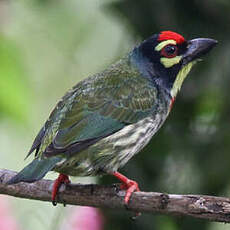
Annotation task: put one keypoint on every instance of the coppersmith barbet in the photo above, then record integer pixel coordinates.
(109, 117)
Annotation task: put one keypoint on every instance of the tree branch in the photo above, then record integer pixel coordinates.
(198, 206)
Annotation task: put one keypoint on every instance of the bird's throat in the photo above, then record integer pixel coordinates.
(182, 74)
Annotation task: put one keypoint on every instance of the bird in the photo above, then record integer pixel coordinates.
(107, 118)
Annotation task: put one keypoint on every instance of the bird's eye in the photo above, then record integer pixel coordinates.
(169, 51)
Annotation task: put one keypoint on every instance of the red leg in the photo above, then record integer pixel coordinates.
(130, 185)
(62, 179)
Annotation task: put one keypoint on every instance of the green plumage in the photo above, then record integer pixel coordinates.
(79, 128)
(107, 118)
(35, 170)
(100, 105)
(83, 126)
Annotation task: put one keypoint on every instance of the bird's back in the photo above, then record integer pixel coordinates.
(90, 123)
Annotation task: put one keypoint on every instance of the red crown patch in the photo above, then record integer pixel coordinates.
(169, 35)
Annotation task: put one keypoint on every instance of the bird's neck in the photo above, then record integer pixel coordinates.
(142, 64)
(146, 69)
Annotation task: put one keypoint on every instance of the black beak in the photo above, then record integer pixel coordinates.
(197, 48)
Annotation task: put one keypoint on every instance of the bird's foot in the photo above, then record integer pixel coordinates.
(129, 185)
(62, 179)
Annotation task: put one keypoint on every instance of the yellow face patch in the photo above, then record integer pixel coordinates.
(180, 78)
(169, 62)
(161, 45)
(166, 61)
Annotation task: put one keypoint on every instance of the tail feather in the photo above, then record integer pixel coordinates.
(36, 170)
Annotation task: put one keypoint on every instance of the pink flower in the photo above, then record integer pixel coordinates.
(7, 221)
(83, 218)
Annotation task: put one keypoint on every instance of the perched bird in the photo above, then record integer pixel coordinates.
(109, 117)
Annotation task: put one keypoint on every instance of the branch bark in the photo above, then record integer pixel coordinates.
(197, 206)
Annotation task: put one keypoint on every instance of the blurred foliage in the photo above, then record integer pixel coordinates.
(14, 93)
(190, 154)
(46, 46)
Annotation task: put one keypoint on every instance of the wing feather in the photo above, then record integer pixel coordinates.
(95, 108)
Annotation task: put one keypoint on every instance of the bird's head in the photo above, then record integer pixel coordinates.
(168, 57)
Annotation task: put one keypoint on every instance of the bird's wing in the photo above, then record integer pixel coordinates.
(93, 110)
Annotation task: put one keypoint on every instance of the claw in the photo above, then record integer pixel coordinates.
(62, 179)
(130, 186)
